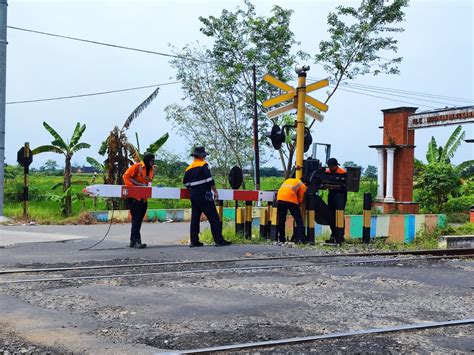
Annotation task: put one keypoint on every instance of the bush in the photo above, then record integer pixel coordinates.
(459, 204)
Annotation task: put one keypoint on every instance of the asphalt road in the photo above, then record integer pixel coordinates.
(169, 312)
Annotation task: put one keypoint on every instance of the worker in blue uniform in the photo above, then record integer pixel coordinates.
(200, 183)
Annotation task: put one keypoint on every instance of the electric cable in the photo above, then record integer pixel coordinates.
(407, 92)
(387, 98)
(106, 233)
(90, 94)
(110, 45)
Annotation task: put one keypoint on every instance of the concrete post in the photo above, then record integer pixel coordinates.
(389, 192)
(380, 173)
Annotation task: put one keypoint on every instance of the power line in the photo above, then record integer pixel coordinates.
(386, 98)
(90, 94)
(412, 93)
(110, 45)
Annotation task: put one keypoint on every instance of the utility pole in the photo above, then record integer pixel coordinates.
(300, 115)
(255, 131)
(3, 77)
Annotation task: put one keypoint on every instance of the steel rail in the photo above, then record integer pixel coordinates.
(299, 340)
(217, 270)
(444, 252)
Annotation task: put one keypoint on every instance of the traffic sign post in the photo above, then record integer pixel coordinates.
(25, 158)
(300, 99)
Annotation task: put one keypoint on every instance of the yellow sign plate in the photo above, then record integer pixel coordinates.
(317, 85)
(278, 111)
(278, 99)
(316, 103)
(278, 83)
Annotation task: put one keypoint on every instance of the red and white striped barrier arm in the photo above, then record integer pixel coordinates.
(173, 193)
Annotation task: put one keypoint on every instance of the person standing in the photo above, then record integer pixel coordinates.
(139, 174)
(334, 193)
(198, 179)
(289, 198)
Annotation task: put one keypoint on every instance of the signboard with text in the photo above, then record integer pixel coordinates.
(441, 117)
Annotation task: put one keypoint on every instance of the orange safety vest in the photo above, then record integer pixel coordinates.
(338, 171)
(292, 190)
(137, 172)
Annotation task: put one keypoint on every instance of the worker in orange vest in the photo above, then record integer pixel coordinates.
(334, 193)
(139, 174)
(289, 197)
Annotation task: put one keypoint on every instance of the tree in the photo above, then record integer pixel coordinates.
(370, 172)
(438, 183)
(117, 147)
(58, 145)
(50, 166)
(350, 164)
(357, 37)
(219, 85)
(444, 154)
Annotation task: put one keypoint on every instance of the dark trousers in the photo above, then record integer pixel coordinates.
(137, 210)
(332, 204)
(282, 210)
(200, 205)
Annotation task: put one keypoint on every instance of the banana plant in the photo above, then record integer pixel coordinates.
(60, 146)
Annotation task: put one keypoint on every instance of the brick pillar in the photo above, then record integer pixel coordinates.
(396, 133)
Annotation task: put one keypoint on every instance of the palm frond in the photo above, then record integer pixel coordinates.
(47, 149)
(153, 148)
(138, 142)
(103, 147)
(133, 152)
(77, 134)
(56, 136)
(80, 146)
(453, 145)
(140, 108)
(431, 154)
(95, 164)
(465, 165)
(55, 186)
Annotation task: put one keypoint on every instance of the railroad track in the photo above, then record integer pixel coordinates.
(149, 269)
(427, 252)
(299, 340)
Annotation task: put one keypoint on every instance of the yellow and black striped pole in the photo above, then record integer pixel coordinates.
(366, 218)
(269, 220)
(263, 223)
(339, 219)
(220, 209)
(274, 224)
(26, 179)
(239, 220)
(310, 207)
(248, 219)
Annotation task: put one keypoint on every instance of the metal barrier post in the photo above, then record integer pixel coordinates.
(239, 221)
(248, 219)
(263, 223)
(269, 219)
(367, 218)
(274, 225)
(310, 207)
(220, 209)
(339, 219)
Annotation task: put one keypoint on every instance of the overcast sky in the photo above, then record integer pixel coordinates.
(437, 47)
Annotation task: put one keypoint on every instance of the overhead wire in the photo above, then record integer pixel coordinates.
(110, 45)
(368, 88)
(90, 94)
(408, 92)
